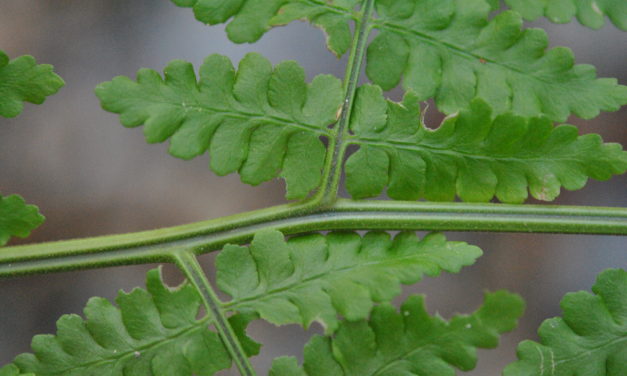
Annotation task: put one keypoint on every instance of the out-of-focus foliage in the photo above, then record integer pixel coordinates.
(23, 80)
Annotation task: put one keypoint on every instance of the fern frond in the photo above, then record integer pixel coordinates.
(23, 80)
(589, 13)
(313, 278)
(259, 121)
(409, 343)
(17, 218)
(451, 51)
(471, 154)
(248, 20)
(153, 332)
(590, 339)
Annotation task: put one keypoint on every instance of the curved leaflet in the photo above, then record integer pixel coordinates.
(409, 343)
(590, 339)
(451, 51)
(153, 332)
(248, 20)
(472, 154)
(332, 16)
(17, 218)
(259, 120)
(23, 80)
(590, 13)
(316, 277)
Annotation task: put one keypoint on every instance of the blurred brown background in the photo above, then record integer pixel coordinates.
(90, 176)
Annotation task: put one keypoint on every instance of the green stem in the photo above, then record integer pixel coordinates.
(158, 245)
(337, 148)
(188, 263)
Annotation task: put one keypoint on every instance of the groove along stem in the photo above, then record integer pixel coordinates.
(188, 263)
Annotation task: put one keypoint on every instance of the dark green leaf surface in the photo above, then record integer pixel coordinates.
(589, 340)
(472, 154)
(260, 121)
(409, 343)
(590, 13)
(17, 218)
(451, 51)
(315, 277)
(153, 332)
(23, 80)
(248, 20)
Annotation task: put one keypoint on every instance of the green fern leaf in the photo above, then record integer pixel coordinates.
(17, 218)
(332, 16)
(285, 366)
(250, 19)
(410, 343)
(22, 80)
(471, 154)
(313, 278)
(154, 332)
(590, 13)
(259, 121)
(591, 338)
(11, 370)
(451, 51)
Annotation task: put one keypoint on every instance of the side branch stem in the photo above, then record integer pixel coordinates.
(188, 263)
(337, 148)
(203, 237)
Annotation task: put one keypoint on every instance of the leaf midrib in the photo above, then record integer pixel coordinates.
(356, 140)
(422, 347)
(460, 51)
(594, 349)
(234, 303)
(151, 345)
(249, 115)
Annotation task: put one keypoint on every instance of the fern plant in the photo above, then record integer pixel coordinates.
(304, 262)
